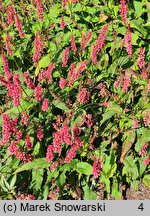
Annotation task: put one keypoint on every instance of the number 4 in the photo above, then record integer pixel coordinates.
(141, 207)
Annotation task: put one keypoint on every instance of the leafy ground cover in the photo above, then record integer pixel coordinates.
(74, 98)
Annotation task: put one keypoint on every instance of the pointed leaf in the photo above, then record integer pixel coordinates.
(61, 105)
(84, 168)
(129, 138)
(146, 180)
(36, 164)
(37, 178)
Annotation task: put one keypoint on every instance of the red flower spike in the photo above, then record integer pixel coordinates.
(19, 26)
(38, 92)
(49, 154)
(128, 43)
(124, 11)
(141, 62)
(45, 105)
(65, 57)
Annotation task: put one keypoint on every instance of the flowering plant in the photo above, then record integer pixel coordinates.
(75, 98)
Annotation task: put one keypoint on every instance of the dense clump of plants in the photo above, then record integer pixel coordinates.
(75, 98)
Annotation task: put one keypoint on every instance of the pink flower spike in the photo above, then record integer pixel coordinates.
(71, 153)
(126, 83)
(39, 9)
(76, 133)
(49, 72)
(85, 39)
(10, 15)
(128, 43)
(62, 83)
(28, 81)
(89, 120)
(57, 141)
(8, 44)
(143, 151)
(24, 118)
(42, 75)
(38, 92)
(53, 166)
(45, 106)
(28, 143)
(97, 166)
(65, 57)
(141, 62)
(147, 161)
(38, 47)
(64, 2)
(62, 23)
(49, 154)
(7, 71)
(135, 122)
(19, 26)
(100, 43)
(144, 74)
(83, 96)
(40, 134)
(72, 74)
(30, 197)
(73, 44)
(123, 11)
(7, 129)
(12, 148)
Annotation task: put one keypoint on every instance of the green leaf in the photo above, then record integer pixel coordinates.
(13, 111)
(84, 168)
(135, 185)
(61, 105)
(36, 164)
(36, 149)
(13, 181)
(146, 180)
(45, 192)
(107, 115)
(37, 178)
(106, 182)
(56, 74)
(122, 60)
(129, 138)
(130, 167)
(51, 175)
(54, 10)
(116, 192)
(62, 179)
(43, 63)
(148, 10)
(138, 8)
(114, 107)
(70, 166)
(137, 25)
(112, 171)
(143, 139)
(141, 167)
(89, 194)
(110, 166)
(111, 111)
(134, 39)
(77, 117)
(103, 145)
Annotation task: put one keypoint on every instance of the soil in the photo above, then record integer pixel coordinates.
(143, 193)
